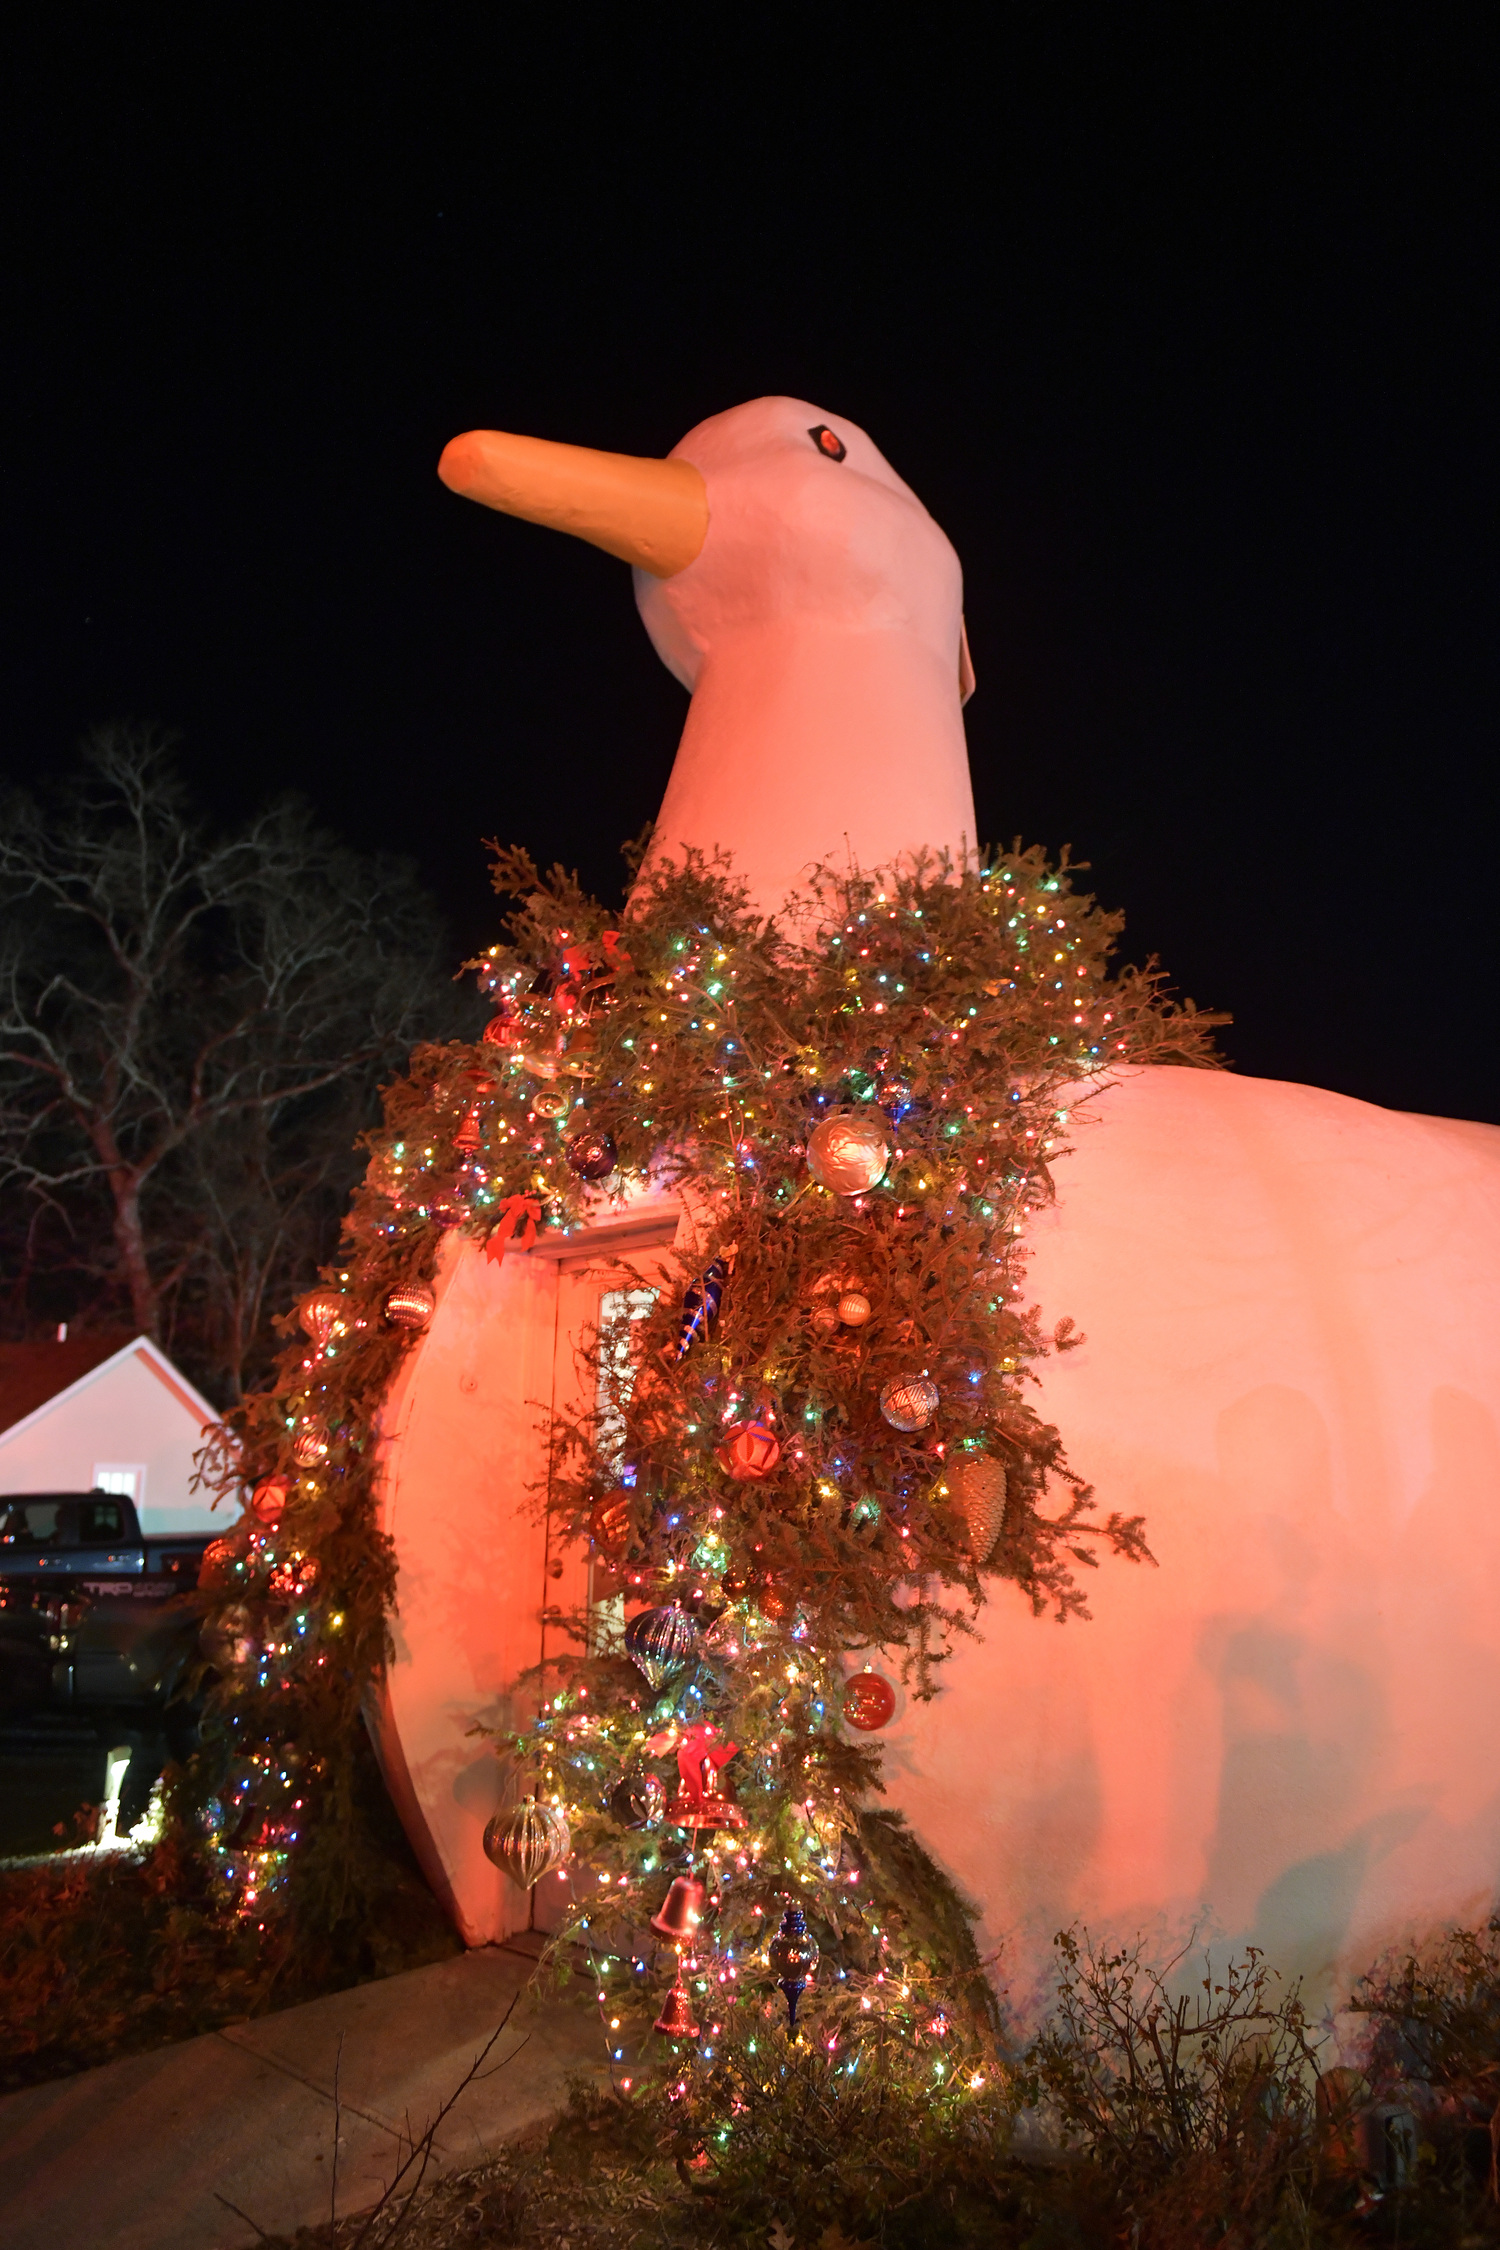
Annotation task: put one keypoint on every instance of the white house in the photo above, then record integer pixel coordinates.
(107, 1411)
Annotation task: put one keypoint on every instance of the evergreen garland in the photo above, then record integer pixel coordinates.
(956, 1014)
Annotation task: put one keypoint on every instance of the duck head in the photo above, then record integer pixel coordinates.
(812, 608)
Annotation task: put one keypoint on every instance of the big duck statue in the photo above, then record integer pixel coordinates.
(1291, 1302)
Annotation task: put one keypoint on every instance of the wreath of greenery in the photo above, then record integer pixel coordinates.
(963, 1014)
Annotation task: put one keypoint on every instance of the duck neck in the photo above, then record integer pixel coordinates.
(806, 743)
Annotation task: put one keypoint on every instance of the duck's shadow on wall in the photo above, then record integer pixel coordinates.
(1318, 1786)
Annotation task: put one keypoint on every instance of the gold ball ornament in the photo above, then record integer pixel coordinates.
(412, 1305)
(854, 1308)
(977, 1488)
(849, 1152)
(909, 1402)
(528, 1842)
(318, 1312)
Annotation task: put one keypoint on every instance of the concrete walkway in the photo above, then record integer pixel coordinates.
(137, 2154)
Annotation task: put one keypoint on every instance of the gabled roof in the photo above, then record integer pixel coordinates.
(34, 1377)
(30, 1374)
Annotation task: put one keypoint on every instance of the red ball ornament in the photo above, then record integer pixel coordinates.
(292, 1580)
(269, 1499)
(591, 1154)
(869, 1701)
(750, 1452)
(216, 1570)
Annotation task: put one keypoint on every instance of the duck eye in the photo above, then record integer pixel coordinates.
(828, 442)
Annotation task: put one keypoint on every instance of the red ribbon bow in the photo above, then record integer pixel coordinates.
(517, 1222)
(699, 1760)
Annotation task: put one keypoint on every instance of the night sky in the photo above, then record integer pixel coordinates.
(1181, 322)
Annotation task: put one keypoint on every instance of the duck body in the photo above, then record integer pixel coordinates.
(1289, 1303)
(1291, 1368)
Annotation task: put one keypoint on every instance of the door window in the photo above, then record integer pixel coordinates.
(619, 1309)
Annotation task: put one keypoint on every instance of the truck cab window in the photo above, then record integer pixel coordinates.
(100, 1520)
(30, 1523)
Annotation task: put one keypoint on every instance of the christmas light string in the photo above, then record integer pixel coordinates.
(785, 1487)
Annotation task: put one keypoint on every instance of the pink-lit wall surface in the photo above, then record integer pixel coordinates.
(1284, 1731)
(464, 1460)
(461, 1449)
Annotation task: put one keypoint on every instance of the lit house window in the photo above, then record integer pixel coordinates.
(127, 1478)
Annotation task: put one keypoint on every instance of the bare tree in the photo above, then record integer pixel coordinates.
(192, 1029)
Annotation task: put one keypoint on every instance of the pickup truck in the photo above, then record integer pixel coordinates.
(88, 1618)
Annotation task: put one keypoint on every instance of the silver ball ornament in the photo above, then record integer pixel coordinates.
(849, 1152)
(909, 1402)
(528, 1841)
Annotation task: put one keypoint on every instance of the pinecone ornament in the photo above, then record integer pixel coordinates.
(977, 1488)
